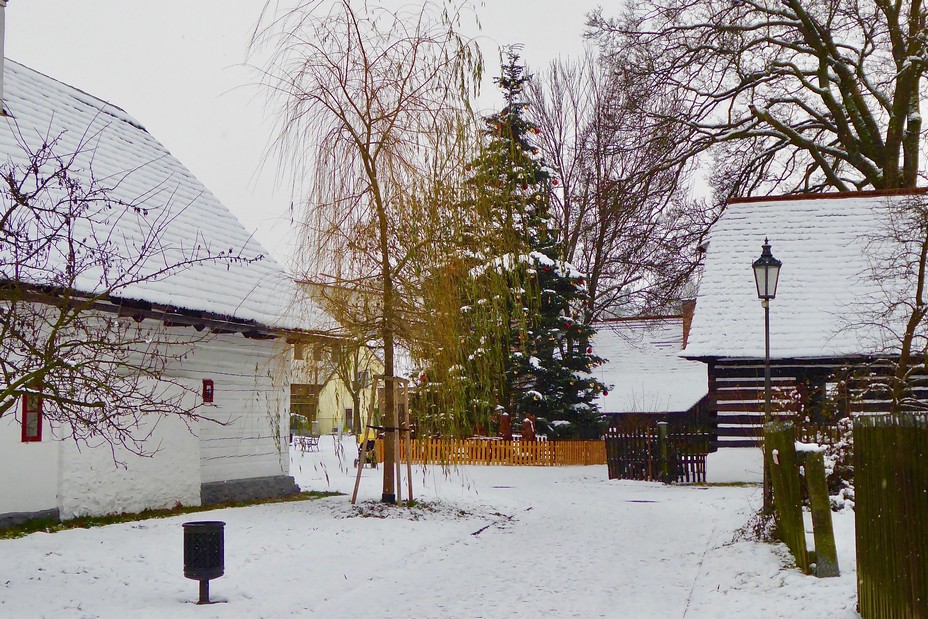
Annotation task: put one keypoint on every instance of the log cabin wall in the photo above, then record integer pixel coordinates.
(820, 391)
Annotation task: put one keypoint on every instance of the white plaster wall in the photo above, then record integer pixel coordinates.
(29, 479)
(252, 401)
(96, 480)
(251, 405)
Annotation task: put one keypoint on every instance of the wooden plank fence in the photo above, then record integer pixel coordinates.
(891, 515)
(491, 452)
(633, 450)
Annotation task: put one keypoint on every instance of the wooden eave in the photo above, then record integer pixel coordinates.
(856, 358)
(170, 315)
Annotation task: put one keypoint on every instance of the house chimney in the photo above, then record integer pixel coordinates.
(689, 308)
(2, 53)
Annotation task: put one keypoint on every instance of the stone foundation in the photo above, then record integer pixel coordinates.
(253, 489)
(14, 518)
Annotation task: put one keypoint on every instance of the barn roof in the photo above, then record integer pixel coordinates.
(835, 283)
(119, 152)
(643, 371)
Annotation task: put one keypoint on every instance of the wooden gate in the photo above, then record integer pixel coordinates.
(636, 449)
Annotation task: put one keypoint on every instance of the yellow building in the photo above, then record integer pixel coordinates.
(332, 386)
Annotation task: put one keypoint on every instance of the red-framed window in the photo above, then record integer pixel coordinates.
(32, 418)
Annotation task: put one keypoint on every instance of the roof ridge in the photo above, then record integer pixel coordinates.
(92, 100)
(654, 318)
(835, 195)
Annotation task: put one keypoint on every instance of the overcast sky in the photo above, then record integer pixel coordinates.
(176, 66)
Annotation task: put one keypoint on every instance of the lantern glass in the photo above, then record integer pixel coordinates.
(766, 273)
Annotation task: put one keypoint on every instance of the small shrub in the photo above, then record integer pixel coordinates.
(761, 527)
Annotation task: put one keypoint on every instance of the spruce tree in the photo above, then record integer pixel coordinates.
(544, 350)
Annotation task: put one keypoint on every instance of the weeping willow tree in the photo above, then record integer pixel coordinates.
(363, 93)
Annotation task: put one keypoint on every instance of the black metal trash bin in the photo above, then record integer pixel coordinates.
(204, 553)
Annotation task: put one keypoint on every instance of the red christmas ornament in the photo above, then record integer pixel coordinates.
(605, 392)
(589, 350)
(536, 130)
(547, 268)
(524, 186)
(554, 182)
(580, 281)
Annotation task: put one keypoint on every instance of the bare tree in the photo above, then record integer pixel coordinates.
(72, 256)
(349, 352)
(897, 252)
(789, 95)
(363, 91)
(621, 206)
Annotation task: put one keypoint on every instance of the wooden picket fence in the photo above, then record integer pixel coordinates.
(491, 452)
(891, 514)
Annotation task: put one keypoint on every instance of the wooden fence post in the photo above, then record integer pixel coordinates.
(826, 554)
(663, 451)
(780, 445)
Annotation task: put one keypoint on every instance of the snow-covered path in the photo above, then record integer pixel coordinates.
(582, 556)
(490, 542)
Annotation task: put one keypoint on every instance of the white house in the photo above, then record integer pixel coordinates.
(244, 313)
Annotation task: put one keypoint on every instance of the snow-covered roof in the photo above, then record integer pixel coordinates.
(116, 149)
(833, 282)
(644, 371)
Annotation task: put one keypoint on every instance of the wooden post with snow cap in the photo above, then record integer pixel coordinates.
(528, 429)
(826, 553)
(782, 462)
(505, 426)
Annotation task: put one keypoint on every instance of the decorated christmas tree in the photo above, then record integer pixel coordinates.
(543, 351)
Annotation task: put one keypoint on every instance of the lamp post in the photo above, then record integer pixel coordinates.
(766, 274)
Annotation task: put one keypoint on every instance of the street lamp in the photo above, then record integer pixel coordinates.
(766, 274)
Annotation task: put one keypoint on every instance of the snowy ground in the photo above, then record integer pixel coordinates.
(492, 542)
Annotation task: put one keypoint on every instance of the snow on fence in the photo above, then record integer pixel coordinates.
(891, 514)
(496, 452)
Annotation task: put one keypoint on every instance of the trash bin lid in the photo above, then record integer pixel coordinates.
(204, 524)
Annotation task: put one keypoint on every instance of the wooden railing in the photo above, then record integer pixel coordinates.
(493, 452)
